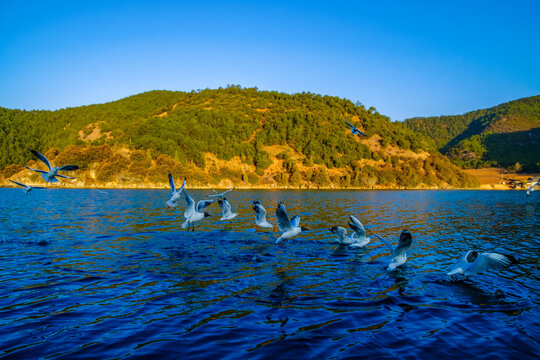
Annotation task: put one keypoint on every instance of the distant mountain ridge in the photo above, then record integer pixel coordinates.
(499, 136)
(226, 136)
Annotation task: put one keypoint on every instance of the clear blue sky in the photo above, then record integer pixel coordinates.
(406, 58)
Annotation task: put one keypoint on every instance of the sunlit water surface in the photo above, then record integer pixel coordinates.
(111, 274)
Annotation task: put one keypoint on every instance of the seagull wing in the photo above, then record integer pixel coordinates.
(221, 194)
(190, 209)
(65, 177)
(171, 183)
(203, 204)
(37, 170)
(295, 221)
(68, 168)
(350, 125)
(18, 183)
(488, 261)
(282, 219)
(386, 242)
(357, 226)
(42, 158)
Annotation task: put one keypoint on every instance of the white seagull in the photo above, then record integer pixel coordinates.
(27, 188)
(175, 193)
(220, 195)
(50, 176)
(360, 239)
(260, 216)
(473, 263)
(399, 255)
(226, 210)
(531, 187)
(288, 228)
(342, 237)
(354, 129)
(194, 213)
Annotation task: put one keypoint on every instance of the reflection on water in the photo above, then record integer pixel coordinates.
(113, 275)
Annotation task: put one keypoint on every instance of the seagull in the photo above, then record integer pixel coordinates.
(288, 228)
(194, 213)
(342, 236)
(399, 255)
(27, 188)
(220, 195)
(175, 194)
(50, 176)
(473, 263)
(531, 187)
(354, 129)
(260, 216)
(360, 239)
(226, 210)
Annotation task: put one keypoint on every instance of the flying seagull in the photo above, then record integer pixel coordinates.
(175, 193)
(226, 210)
(27, 188)
(50, 176)
(289, 228)
(531, 187)
(220, 195)
(398, 254)
(473, 263)
(354, 129)
(342, 236)
(260, 216)
(360, 239)
(194, 213)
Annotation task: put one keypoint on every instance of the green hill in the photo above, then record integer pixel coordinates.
(499, 136)
(225, 136)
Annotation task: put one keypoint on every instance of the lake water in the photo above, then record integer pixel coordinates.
(111, 275)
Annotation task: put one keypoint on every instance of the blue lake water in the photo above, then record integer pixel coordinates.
(111, 275)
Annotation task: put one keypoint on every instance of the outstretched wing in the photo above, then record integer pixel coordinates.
(65, 177)
(282, 219)
(42, 158)
(203, 204)
(18, 183)
(190, 209)
(357, 227)
(36, 170)
(386, 242)
(488, 261)
(350, 125)
(68, 168)
(295, 221)
(171, 183)
(259, 209)
(221, 194)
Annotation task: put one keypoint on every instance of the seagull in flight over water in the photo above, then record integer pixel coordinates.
(175, 193)
(358, 237)
(531, 187)
(354, 129)
(27, 188)
(399, 255)
(260, 216)
(194, 213)
(473, 263)
(289, 228)
(226, 209)
(50, 176)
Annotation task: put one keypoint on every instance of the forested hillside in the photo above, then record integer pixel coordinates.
(504, 135)
(225, 136)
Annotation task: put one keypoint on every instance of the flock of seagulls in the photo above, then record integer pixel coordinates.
(469, 264)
